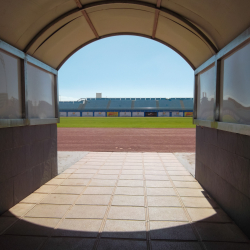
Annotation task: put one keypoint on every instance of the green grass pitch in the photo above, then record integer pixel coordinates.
(125, 122)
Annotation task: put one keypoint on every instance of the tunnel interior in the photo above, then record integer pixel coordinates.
(37, 37)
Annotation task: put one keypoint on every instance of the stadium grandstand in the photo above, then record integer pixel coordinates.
(127, 107)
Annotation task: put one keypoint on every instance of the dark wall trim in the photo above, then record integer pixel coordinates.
(5, 123)
(229, 127)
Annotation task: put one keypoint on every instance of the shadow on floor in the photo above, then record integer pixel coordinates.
(121, 203)
(29, 233)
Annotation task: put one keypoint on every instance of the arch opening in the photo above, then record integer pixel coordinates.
(126, 34)
(132, 62)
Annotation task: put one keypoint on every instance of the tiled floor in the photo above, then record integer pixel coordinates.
(121, 201)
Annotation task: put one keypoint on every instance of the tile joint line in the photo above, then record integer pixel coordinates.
(185, 210)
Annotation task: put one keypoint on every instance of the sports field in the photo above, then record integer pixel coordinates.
(126, 122)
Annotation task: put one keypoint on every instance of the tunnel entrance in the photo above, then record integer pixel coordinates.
(37, 38)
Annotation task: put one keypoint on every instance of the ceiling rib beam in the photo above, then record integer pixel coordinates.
(92, 27)
(85, 14)
(78, 3)
(102, 3)
(157, 12)
(158, 4)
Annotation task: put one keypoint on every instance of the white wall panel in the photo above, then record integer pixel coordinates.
(100, 114)
(10, 86)
(125, 114)
(206, 94)
(235, 87)
(63, 114)
(138, 114)
(177, 114)
(87, 114)
(74, 114)
(41, 98)
(163, 114)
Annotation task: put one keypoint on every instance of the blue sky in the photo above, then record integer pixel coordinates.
(125, 66)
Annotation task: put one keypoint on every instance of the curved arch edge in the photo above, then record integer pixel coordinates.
(87, 6)
(124, 34)
(43, 30)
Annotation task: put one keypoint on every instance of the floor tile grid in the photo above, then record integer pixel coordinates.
(35, 204)
(240, 236)
(198, 236)
(73, 204)
(149, 247)
(97, 242)
(153, 242)
(21, 217)
(147, 167)
(14, 222)
(196, 224)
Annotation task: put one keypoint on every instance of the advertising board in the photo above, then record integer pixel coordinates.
(112, 114)
(150, 113)
(99, 114)
(177, 114)
(138, 114)
(74, 114)
(188, 114)
(63, 114)
(87, 114)
(163, 114)
(125, 114)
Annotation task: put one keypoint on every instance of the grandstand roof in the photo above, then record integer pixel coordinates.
(51, 31)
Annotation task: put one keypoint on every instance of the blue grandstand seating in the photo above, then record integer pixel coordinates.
(170, 103)
(97, 104)
(126, 103)
(69, 105)
(145, 103)
(188, 103)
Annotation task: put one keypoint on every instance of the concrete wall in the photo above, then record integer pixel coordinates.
(223, 169)
(28, 159)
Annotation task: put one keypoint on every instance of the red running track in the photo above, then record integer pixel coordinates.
(126, 139)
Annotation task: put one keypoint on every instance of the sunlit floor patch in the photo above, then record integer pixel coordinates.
(120, 201)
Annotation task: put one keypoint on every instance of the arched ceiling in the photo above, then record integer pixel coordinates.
(52, 30)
